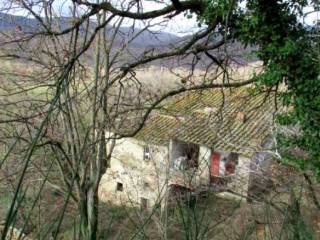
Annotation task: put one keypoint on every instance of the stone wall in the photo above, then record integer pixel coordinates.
(13, 234)
(139, 178)
(133, 181)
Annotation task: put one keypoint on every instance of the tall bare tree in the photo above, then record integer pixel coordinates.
(84, 73)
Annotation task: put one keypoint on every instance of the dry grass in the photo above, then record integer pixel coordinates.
(163, 79)
(228, 219)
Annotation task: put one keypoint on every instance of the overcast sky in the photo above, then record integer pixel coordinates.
(179, 25)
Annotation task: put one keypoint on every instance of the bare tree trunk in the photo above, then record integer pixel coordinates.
(88, 209)
(92, 213)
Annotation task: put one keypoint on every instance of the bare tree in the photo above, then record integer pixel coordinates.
(80, 119)
(84, 73)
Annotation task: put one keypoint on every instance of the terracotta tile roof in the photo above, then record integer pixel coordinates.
(210, 118)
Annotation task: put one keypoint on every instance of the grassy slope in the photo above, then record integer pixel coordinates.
(123, 223)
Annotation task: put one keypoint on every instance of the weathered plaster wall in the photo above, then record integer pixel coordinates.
(150, 179)
(237, 181)
(260, 178)
(147, 179)
(240, 180)
(242, 176)
(204, 165)
(140, 178)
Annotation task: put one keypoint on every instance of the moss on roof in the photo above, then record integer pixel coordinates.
(209, 118)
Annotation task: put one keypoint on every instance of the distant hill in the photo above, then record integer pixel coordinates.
(9, 22)
(158, 41)
(146, 38)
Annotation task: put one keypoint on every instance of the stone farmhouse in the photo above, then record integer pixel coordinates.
(199, 141)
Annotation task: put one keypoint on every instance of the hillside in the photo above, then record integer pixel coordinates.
(9, 22)
(158, 41)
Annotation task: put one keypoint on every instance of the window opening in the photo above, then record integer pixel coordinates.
(119, 187)
(184, 155)
(144, 204)
(231, 163)
(146, 153)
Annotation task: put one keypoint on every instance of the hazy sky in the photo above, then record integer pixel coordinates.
(179, 25)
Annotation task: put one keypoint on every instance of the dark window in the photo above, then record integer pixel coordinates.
(146, 153)
(144, 204)
(192, 154)
(145, 185)
(230, 167)
(119, 187)
(184, 155)
(231, 163)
